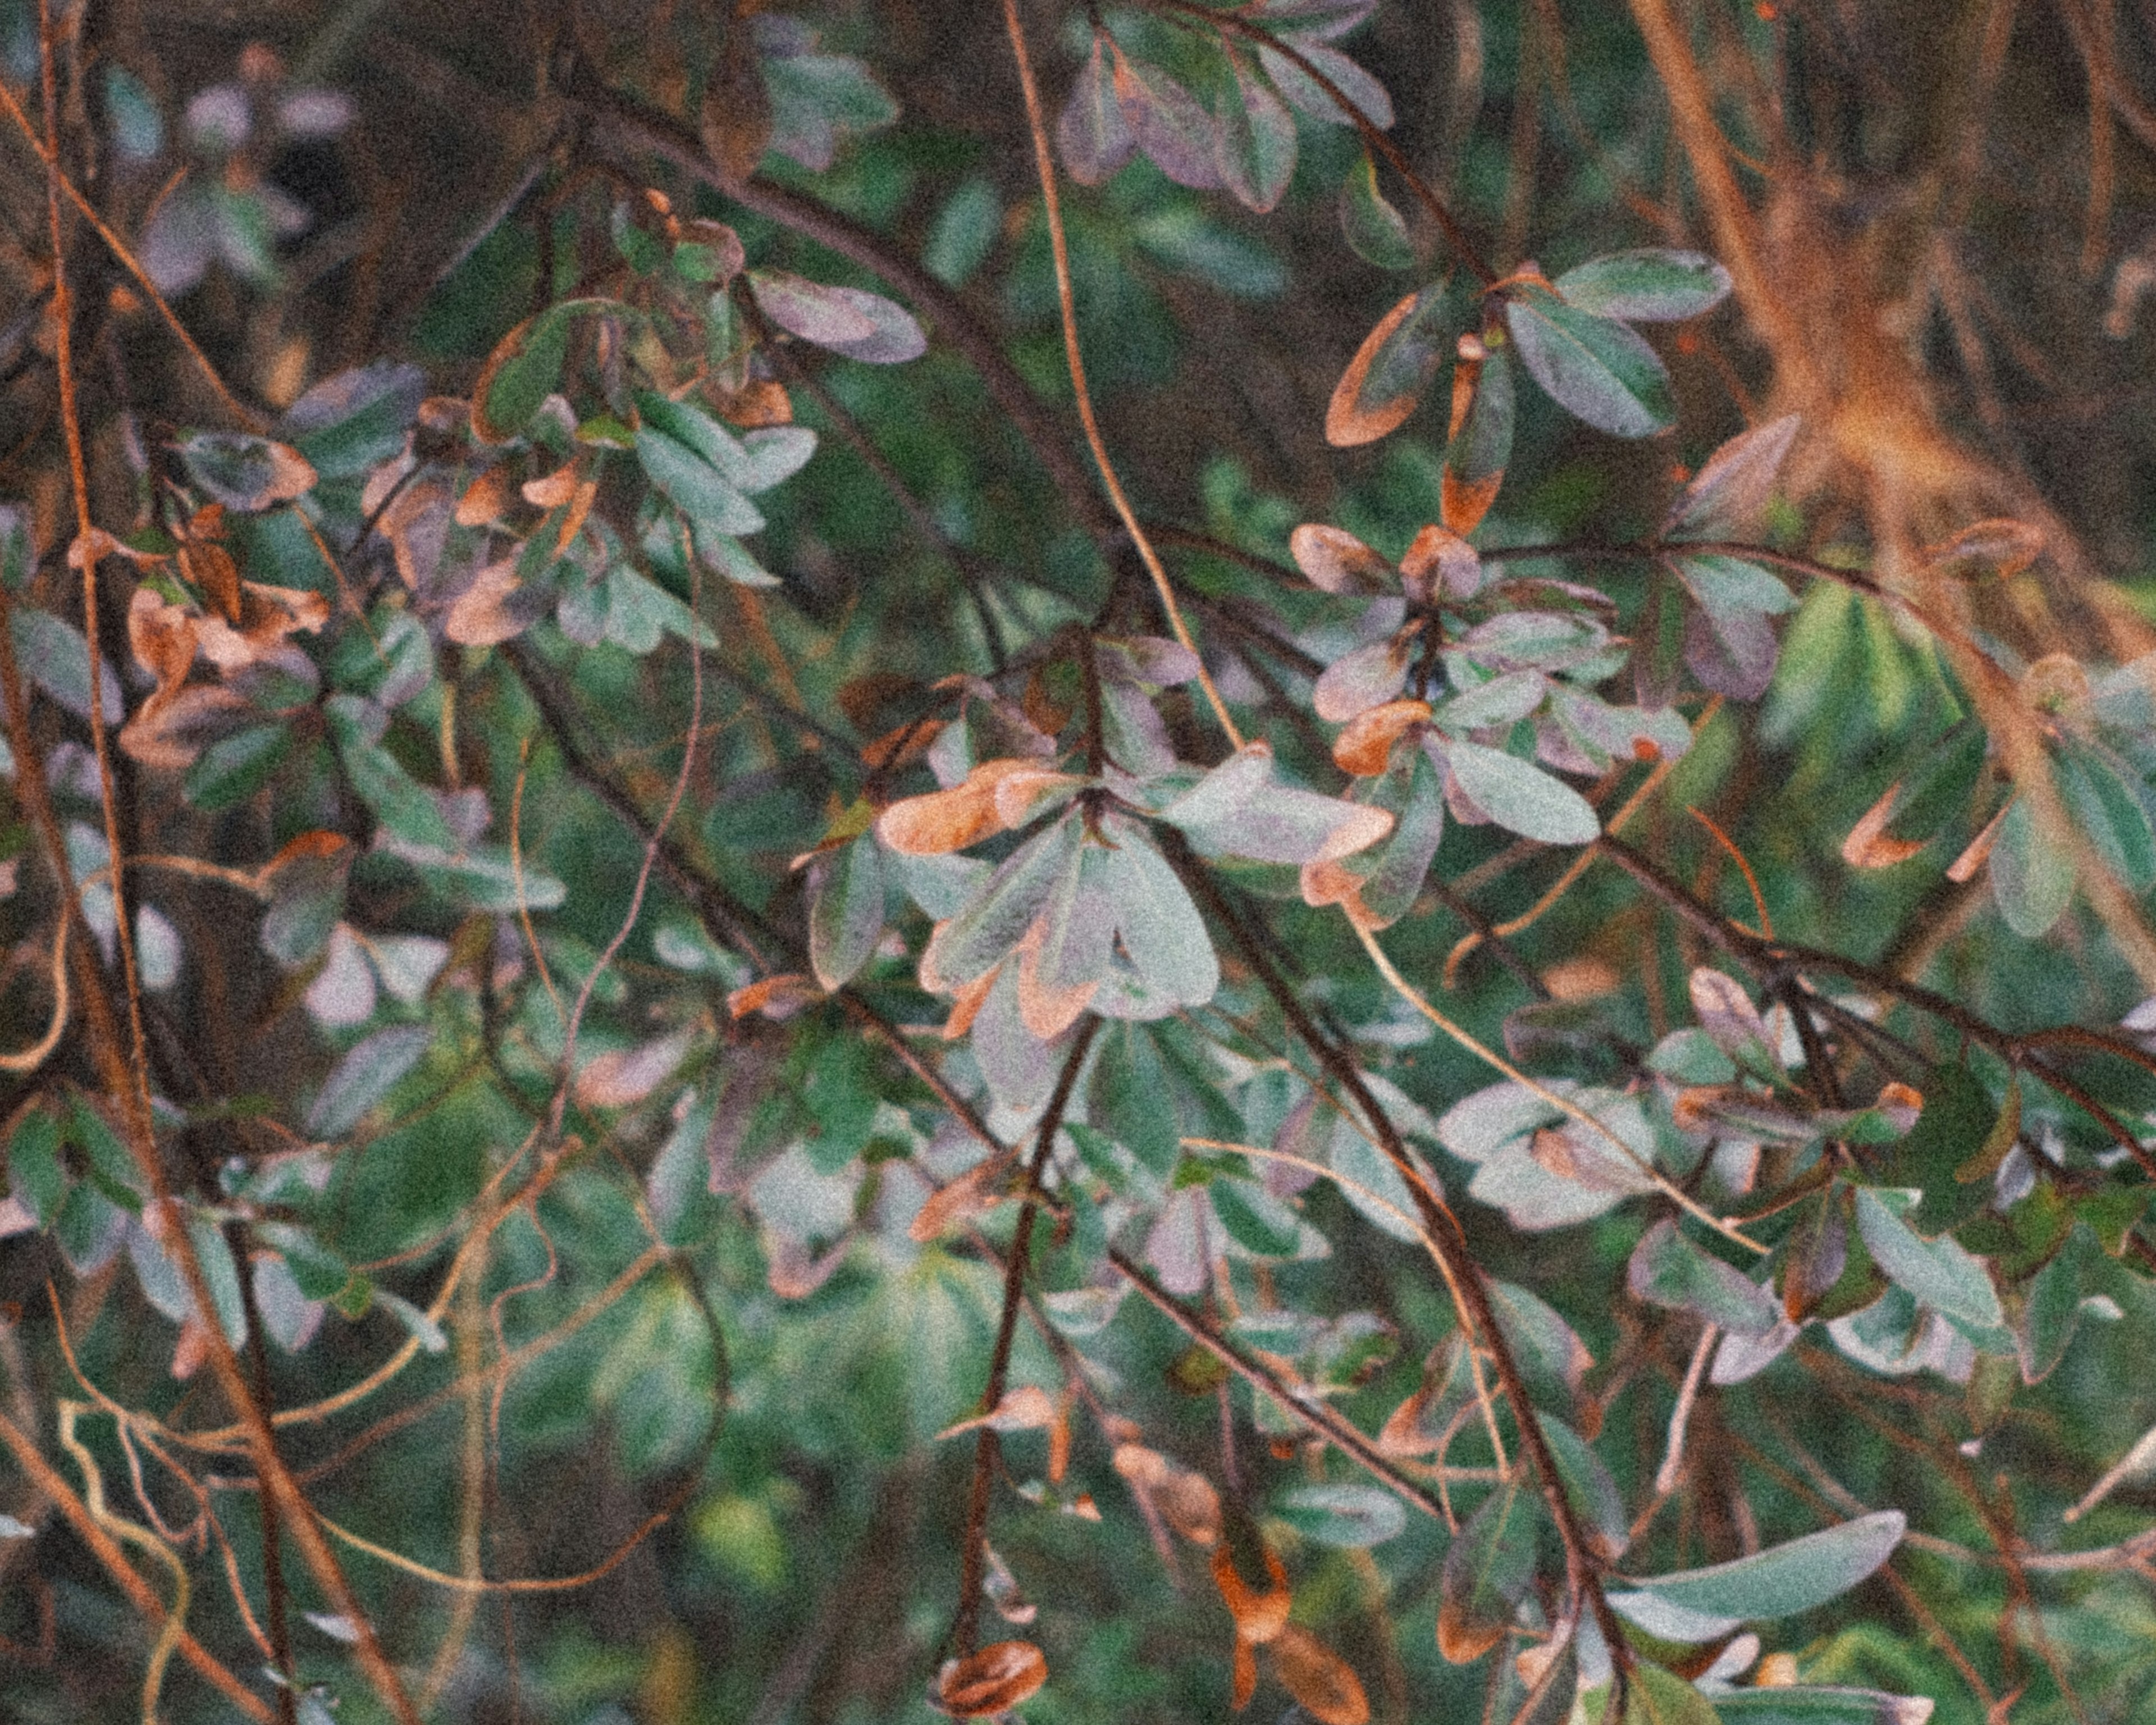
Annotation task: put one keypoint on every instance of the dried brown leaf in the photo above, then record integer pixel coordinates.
(1366, 743)
(980, 1188)
(991, 1681)
(1337, 561)
(1259, 1617)
(1317, 1677)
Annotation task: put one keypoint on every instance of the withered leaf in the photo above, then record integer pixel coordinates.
(991, 1681)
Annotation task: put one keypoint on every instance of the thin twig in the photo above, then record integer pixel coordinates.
(1044, 160)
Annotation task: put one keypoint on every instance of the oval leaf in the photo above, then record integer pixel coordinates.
(1594, 369)
(1651, 285)
(1784, 1579)
(1386, 378)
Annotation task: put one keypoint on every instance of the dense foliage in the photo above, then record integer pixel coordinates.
(1083, 861)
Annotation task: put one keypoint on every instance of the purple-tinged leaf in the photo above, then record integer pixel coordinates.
(850, 321)
(1727, 499)
(1731, 652)
(1306, 95)
(1651, 285)
(1254, 135)
(1091, 133)
(1367, 677)
(1595, 368)
(1171, 124)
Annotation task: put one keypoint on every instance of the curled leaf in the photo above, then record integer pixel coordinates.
(993, 1681)
(1320, 1679)
(1259, 1616)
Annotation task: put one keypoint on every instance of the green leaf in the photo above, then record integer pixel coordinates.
(694, 486)
(1667, 1269)
(1654, 1696)
(1159, 928)
(1960, 1129)
(1481, 440)
(1385, 380)
(1377, 232)
(54, 656)
(1520, 796)
(526, 377)
(1940, 1273)
(1355, 1516)
(1256, 1220)
(233, 768)
(318, 1272)
(348, 422)
(37, 1179)
(1808, 1704)
(1588, 1486)
(2111, 807)
(245, 473)
(1779, 1582)
(1651, 285)
(1595, 369)
(367, 1074)
(996, 918)
(845, 910)
(1486, 1572)
(2032, 883)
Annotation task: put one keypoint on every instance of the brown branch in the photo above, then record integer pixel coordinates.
(987, 1448)
(106, 1550)
(1441, 1230)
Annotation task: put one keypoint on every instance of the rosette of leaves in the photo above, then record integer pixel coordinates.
(1574, 337)
(1086, 913)
(1460, 666)
(1214, 109)
(2099, 732)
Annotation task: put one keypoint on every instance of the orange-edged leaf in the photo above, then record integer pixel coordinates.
(1259, 1617)
(1385, 380)
(248, 473)
(1366, 744)
(551, 490)
(981, 1187)
(1978, 851)
(966, 1004)
(1813, 1256)
(523, 370)
(478, 617)
(1027, 1407)
(944, 821)
(991, 1681)
(1186, 1499)
(900, 746)
(1488, 1570)
(2003, 547)
(212, 569)
(484, 499)
(1438, 564)
(1480, 442)
(775, 997)
(1245, 1674)
(1319, 1678)
(1337, 561)
(1868, 846)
